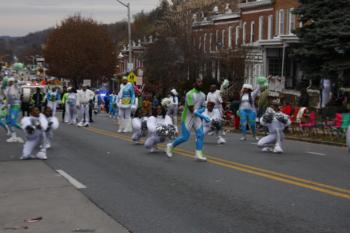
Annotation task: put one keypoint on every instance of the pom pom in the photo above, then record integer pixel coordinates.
(167, 131)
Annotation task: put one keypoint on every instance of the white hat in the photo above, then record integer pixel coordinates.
(12, 79)
(174, 92)
(248, 86)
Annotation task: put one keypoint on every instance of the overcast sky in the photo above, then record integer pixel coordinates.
(19, 17)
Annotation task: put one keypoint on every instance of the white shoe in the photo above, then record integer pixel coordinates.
(169, 150)
(12, 139)
(223, 133)
(267, 149)
(256, 138)
(80, 124)
(243, 139)
(48, 146)
(120, 130)
(86, 125)
(25, 157)
(278, 149)
(221, 140)
(41, 155)
(153, 149)
(199, 156)
(211, 133)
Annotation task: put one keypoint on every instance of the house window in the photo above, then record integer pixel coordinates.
(269, 36)
(237, 35)
(261, 27)
(282, 22)
(200, 42)
(216, 39)
(277, 24)
(275, 66)
(252, 31)
(230, 37)
(291, 21)
(244, 32)
(210, 42)
(223, 39)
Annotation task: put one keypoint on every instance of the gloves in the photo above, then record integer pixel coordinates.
(282, 118)
(199, 114)
(268, 117)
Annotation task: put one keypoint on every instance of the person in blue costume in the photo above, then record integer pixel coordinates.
(192, 117)
(14, 106)
(126, 101)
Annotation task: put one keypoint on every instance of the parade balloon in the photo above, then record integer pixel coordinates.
(18, 66)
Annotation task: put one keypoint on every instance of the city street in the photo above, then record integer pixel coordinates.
(239, 189)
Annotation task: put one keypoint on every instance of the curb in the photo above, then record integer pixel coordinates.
(230, 130)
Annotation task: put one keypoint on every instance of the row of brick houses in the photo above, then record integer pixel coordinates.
(263, 29)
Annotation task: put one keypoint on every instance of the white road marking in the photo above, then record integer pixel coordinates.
(316, 153)
(71, 180)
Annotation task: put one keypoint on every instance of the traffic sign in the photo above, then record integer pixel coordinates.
(132, 77)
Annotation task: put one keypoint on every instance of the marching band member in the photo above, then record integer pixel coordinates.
(84, 97)
(34, 127)
(53, 124)
(215, 124)
(247, 110)
(3, 115)
(276, 122)
(139, 126)
(160, 126)
(192, 116)
(53, 96)
(126, 101)
(14, 106)
(173, 106)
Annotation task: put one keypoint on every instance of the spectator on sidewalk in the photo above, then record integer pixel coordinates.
(304, 98)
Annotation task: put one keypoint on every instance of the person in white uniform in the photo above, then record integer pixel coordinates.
(53, 124)
(84, 97)
(276, 122)
(215, 126)
(34, 127)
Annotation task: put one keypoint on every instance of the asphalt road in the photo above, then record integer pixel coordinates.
(239, 189)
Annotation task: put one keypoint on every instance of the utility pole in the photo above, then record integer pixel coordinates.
(127, 5)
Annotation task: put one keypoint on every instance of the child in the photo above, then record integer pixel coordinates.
(52, 125)
(215, 124)
(160, 126)
(276, 122)
(34, 127)
(139, 126)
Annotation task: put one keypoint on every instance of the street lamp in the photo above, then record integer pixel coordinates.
(127, 5)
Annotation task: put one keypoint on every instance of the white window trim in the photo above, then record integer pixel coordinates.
(252, 32)
(204, 42)
(292, 21)
(282, 22)
(216, 40)
(277, 25)
(223, 38)
(244, 37)
(261, 27)
(210, 42)
(230, 37)
(237, 35)
(270, 27)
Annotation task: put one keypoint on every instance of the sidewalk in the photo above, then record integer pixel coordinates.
(30, 189)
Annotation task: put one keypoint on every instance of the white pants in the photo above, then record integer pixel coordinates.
(84, 111)
(48, 136)
(30, 145)
(271, 139)
(124, 113)
(153, 140)
(172, 112)
(71, 113)
(53, 106)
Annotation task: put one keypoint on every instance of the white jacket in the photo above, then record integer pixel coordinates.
(83, 97)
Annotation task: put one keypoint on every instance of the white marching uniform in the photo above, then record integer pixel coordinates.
(214, 115)
(216, 98)
(153, 139)
(53, 124)
(34, 128)
(136, 123)
(71, 108)
(83, 102)
(173, 108)
(273, 141)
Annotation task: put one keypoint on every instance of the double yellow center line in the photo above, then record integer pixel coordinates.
(284, 178)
